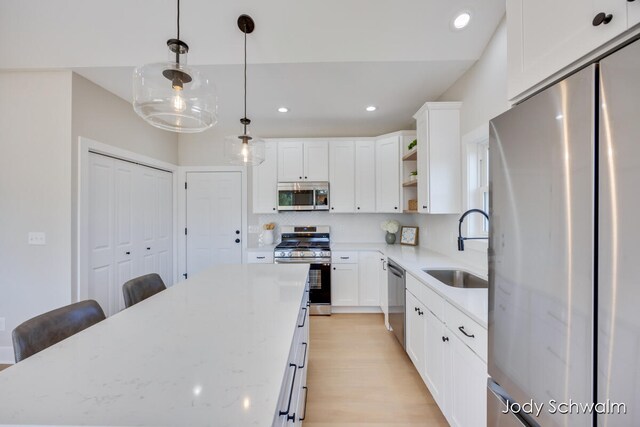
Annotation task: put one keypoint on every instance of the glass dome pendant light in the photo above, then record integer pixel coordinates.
(245, 149)
(172, 95)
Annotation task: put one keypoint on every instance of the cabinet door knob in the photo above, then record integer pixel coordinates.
(305, 177)
(424, 207)
(127, 253)
(395, 207)
(274, 209)
(300, 177)
(237, 240)
(602, 18)
(358, 207)
(237, 231)
(148, 249)
(415, 309)
(445, 339)
(332, 208)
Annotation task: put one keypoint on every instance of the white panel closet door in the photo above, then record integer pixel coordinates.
(125, 175)
(101, 232)
(130, 223)
(214, 219)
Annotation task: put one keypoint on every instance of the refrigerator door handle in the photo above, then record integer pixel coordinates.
(502, 395)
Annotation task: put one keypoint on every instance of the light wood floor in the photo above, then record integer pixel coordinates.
(359, 375)
(6, 366)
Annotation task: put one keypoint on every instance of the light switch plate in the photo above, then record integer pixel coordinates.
(37, 238)
(2, 324)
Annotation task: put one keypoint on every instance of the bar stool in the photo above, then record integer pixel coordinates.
(49, 328)
(141, 288)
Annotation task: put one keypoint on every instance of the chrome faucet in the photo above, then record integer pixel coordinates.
(462, 239)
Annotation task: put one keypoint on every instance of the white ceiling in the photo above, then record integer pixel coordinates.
(325, 59)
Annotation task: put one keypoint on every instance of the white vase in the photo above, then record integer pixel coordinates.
(267, 237)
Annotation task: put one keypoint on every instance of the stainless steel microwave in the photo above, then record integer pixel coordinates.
(303, 196)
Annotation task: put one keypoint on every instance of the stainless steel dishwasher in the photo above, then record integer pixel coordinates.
(396, 300)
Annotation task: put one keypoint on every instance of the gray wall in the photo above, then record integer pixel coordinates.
(35, 195)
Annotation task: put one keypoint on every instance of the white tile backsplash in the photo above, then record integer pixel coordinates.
(345, 228)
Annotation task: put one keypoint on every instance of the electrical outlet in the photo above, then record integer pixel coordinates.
(2, 324)
(37, 238)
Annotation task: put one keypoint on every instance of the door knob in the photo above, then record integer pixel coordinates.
(602, 18)
(237, 240)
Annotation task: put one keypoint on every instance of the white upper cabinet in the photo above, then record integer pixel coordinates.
(303, 161)
(388, 174)
(545, 36)
(439, 162)
(265, 181)
(290, 161)
(342, 176)
(316, 161)
(365, 176)
(633, 13)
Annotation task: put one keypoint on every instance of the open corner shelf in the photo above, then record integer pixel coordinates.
(411, 155)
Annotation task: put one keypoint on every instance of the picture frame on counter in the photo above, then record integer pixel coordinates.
(409, 236)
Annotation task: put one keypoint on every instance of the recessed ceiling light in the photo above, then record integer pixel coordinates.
(283, 110)
(462, 20)
(371, 108)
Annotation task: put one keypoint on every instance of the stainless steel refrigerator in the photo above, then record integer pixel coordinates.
(564, 252)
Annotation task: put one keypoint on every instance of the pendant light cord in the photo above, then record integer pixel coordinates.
(245, 75)
(178, 20)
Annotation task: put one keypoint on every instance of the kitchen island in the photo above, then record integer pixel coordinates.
(214, 350)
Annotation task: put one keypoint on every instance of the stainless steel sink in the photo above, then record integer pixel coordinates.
(458, 278)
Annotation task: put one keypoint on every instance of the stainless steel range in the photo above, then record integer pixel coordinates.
(309, 245)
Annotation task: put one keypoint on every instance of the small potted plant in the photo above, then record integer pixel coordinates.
(391, 227)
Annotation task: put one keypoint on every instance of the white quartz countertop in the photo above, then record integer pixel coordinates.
(414, 259)
(210, 351)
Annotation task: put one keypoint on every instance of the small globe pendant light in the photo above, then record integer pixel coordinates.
(245, 149)
(172, 95)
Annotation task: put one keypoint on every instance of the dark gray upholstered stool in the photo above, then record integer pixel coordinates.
(141, 288)
(47, 329)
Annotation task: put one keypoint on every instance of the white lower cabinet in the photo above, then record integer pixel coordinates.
(355, 279)
(384, 288)
(466, 403)
(454, 374)
(414, 331)
(435, 345)
(292, 402)
(369, 278)
(344, 285)
(259, 257)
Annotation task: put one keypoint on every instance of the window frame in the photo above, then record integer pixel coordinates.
(476, 157)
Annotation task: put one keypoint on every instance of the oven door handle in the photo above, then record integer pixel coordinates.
(302, 261)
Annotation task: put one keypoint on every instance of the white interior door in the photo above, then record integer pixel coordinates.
(214, 219)
(130, 223)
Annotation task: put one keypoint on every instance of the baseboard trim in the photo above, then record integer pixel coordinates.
(6, 355)
(355, 310)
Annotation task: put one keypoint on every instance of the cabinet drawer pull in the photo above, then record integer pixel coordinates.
(461, 329)
(306, 346)
(304, 319)
(602, 18)
(293, 381)
(260, 257)
(127, 253)
(306, 393)
(344, 257)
